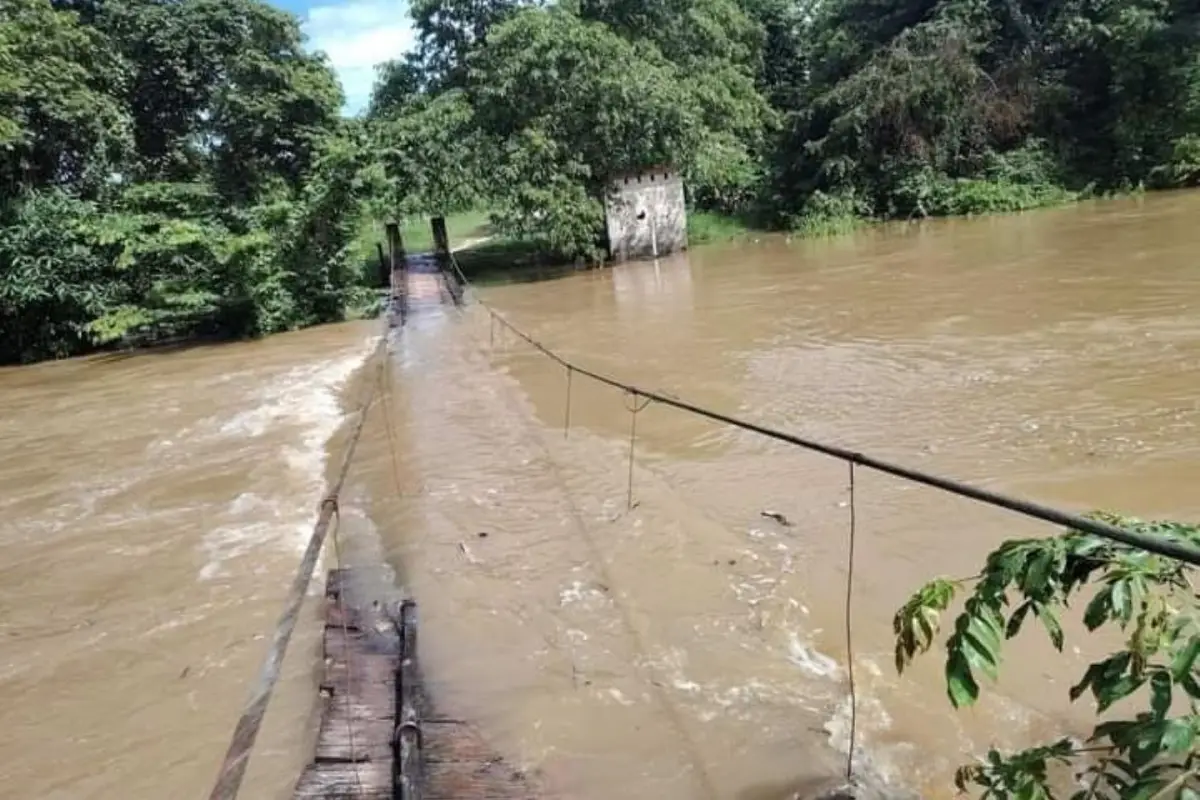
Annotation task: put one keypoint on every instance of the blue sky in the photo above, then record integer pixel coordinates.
(356, 35)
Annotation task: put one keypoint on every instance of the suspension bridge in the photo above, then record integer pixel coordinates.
(381, 735)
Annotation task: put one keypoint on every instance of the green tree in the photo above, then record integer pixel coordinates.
(170, 169)
(60, 122)
(54, 278)
(397, 82)
(221, 88)
(566, 101)
(432, 153)
(1152, 753)
(717, 52)
(449, 30)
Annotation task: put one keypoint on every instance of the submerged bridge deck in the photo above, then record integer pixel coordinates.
(380, 734)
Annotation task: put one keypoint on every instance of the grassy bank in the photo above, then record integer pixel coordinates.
(502, 260)
(417, 233)
(710, 227)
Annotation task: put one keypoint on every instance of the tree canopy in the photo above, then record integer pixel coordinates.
(159, 162)
(143, 120)
(800, 112)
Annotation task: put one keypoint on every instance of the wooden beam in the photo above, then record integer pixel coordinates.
(355, 757)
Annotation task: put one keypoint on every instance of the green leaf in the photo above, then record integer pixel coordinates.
(1093, 672)
(1098, 610)
(960, 683)
(1102, 673)
(1053, 628)
(1117, 732)
(1145, 788)
(1185, 658)
(1145, 747)
(1109, 693)
(978, 654)
(1179, 735)
(1122, 602)
(1017, 619)
(1036, 579)
(1160, 693)
(916, 623)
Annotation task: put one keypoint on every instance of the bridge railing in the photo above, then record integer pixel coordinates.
(1165, 545)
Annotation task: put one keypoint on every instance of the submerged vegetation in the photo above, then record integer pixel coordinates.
(180, 167)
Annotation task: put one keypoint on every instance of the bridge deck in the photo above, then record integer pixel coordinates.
(380, 736)
(459, 764)
(354, 756)
(371, 687)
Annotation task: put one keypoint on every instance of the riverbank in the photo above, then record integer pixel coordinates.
(498, 259)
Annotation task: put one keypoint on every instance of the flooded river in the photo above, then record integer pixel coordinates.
(154, 508)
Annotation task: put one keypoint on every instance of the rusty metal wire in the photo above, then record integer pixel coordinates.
(634, 408)
(245, 734)
(850, 629)
(1171, 548)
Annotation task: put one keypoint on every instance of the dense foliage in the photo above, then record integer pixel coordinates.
(1151, 750)
(797, 113)
(161, 159)
(168, 169)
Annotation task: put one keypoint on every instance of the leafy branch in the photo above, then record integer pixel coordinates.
(1150, 598)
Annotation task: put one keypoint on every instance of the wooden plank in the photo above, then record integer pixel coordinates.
(445, 741)
(410, 777)
(452, 780)
(365, 740)
(443, 759)
(355, 754)
(373, 742)
(370, 781)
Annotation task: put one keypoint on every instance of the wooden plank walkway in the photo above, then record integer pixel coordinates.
(380, 737)
(459, 764)
(354, 756)
(454, 761)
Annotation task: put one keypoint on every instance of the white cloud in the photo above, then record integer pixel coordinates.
(357, 35)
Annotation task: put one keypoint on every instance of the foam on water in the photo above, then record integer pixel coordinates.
(304, 402)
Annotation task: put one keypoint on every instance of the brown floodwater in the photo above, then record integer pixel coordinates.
(153, 508)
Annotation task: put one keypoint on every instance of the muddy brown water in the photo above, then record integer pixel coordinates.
(153, 508)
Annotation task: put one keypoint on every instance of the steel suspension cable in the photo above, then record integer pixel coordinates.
(245, 734)
(1170, 548)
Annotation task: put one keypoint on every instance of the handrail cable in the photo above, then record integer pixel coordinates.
(233, 768)
(1181, 551)
(599, 563)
